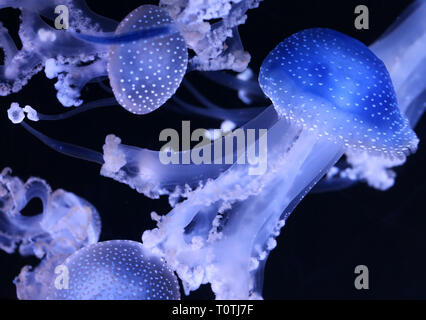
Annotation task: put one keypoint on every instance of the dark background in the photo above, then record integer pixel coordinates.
(325, 237)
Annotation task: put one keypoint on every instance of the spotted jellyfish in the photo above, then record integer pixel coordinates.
(114, 270)
(145, 58)
(330, 94)
(144, 74)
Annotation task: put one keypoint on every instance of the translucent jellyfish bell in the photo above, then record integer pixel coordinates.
(144, 74)
(116, 270)
(333, 84)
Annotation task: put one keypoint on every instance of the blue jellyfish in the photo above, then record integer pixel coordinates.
(230, 224)
(114, 270)
(333, 84)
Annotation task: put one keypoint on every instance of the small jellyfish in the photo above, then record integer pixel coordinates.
(144, 74)
(145, 58)
(115, 270)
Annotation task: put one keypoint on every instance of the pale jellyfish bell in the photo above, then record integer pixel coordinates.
(114, 270)
(147, 59)
(144, 74)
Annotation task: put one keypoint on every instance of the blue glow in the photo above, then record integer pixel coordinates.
(332, 83)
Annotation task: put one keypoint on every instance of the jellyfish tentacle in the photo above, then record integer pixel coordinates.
(238, 116)
(108, 39)
(37, 116)
(68, 149)
(143, 169)
(66, 224)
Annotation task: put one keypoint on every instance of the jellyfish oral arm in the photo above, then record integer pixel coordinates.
(144, 171)
(223, 232)
(66, 224)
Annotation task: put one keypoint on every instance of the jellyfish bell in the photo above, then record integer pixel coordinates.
(114, 270)
(334, 85)
(144, 74)
(147, 59)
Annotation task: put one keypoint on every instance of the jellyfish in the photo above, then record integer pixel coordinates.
(228, 226)
(145, 59)
(331, 95)
(143, 77)
(144, 56)
(66, 224)
(114, 270)
(401, 48)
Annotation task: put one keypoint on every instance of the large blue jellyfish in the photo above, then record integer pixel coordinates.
(311, 78)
